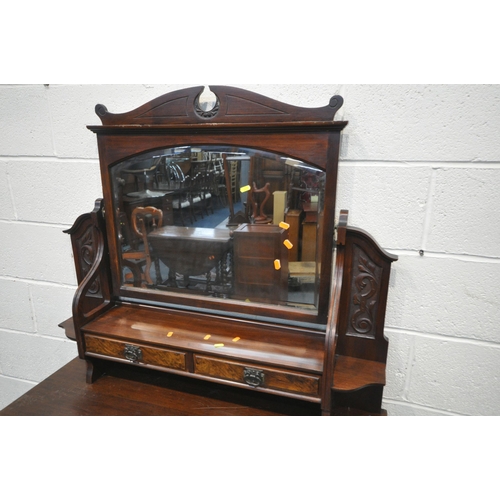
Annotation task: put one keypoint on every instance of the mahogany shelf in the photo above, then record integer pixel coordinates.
(351, 374)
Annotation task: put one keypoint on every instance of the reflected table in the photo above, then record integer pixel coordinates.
(194, 251)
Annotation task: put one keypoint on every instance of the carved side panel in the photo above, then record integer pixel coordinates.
(364, 297)
(365, 293)
(90, 254)
(84, 242)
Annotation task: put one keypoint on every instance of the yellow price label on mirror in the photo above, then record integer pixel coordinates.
(277, 264)
(284, 225)
(288, 244)
(244, 189)
(218, 345)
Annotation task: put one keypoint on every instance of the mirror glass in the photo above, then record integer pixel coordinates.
(227, 222)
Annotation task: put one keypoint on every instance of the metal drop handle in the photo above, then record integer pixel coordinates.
(253, 377)
(132, 353)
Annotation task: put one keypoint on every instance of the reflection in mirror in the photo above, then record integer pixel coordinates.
(221, 221)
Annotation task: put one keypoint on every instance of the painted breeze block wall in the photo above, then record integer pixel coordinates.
(420, 171)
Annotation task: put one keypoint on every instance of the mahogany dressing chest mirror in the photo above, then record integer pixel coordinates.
(215, 252)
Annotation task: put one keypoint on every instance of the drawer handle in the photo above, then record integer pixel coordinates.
(253, 377)
(132, 353)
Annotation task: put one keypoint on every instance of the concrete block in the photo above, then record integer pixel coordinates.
(12, 389)
(455, 376)
(16, 312)
(422, 122)
(398, 358)
(26, 126)
(445, 296)
(73, 108)
(6, 206)
(52, 305)
(387, 201)
(36, 252)
(466, 213)
(53, 191)
(395, 409)
(33, 358)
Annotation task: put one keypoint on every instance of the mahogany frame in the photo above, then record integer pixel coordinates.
(243, 119)
(335, 357)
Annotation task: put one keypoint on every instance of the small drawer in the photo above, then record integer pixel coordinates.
(256, 376)
(135, 353)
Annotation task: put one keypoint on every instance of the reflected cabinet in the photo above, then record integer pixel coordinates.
(217, 252)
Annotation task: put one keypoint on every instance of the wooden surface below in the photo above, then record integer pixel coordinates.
(130, 390)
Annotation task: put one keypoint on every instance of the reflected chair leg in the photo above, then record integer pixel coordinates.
(159, 279)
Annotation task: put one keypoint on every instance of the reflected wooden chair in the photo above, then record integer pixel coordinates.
(144, 220)
(218, 182)
(233, 176)
(219, 187)
(196, 198)
(207, 188)
(182, 200)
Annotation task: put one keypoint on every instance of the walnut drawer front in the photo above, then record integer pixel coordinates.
(255, 376)
(136, 353)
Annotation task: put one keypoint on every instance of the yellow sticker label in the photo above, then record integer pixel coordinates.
(277, 264)
(236, 339)
(288, 244)
(244, 189)
(284, 225)
(218, 345)
(169, 334)
(206, 337)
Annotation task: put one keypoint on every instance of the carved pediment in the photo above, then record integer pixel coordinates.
(233, 105)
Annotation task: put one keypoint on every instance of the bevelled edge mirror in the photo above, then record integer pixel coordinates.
(228, 209)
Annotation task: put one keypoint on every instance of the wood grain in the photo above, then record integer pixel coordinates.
(156, 357)
(274, 379)
(351, 374)
(128, 390)
(260, 343)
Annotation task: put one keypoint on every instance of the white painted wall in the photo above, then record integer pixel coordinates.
(420, 169)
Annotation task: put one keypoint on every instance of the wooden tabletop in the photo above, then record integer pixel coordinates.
(129, 390)
(191, 234)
